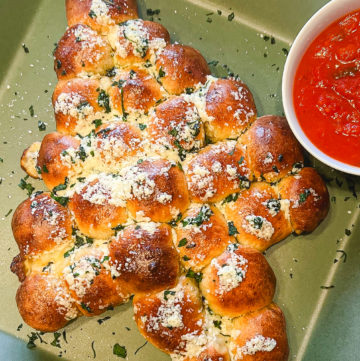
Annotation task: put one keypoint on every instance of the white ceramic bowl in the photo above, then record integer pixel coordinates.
(318, 22)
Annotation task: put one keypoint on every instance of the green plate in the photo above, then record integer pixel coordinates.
(318, 274)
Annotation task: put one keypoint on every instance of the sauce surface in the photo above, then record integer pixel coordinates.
(327, 90)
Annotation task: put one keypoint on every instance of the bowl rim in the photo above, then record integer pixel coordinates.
(329, 13)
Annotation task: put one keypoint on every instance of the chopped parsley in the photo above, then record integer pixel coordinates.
(231, 17)
(232, 229)
(56, 341)
(174, 222)
(161, 73)
(167, 293)
(41, 126)
(62, 200)
(197, 276)
(182, 242)
(8, 213)
(44, 169)
(303, 196)
(92, 14)
(257, 222)
(26, 186)
(203, 216)
(102, 320)
(47, 267)
(103, 100)
(32, 338)
(26, 49)
(31, 110)
(67, 253)
(119, 351)
(97, 122)
(61, 187)
(142, 126)
(273, 205)
(85, 307)
(231, 198)
(217, 324)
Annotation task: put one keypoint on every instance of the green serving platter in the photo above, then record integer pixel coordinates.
(318, 274)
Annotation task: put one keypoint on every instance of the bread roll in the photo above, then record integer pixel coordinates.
(144, 258)
(91, 283)
(260, 336)
(259, 216)
(181, 68)
(45, 303)
(230, 109)
(117, 140)
(176, 123)
(40, 224)
(134, 91)
(202, 234)
(272, 149)
(217, 171)
(238, 281)
(51, 159)
(309, 199)
(158, 190)
(100, 15)
(171, 319)
(82, 50)
(95, 210)
(136, 41)
(76, 105)
(28, 160)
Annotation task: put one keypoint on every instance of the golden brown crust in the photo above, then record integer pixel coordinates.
(96, 219)
(136, 90)
(238, 281)
(182, 67)
(259, 216)
(40, 224)
(210, 354)
(263, 329)
(80, 50)
(176, 122)
(272, 149)
(167, 191)
(49, 161)
(309, 199)
(231, 107)
(17, 267)
(217, 171)
(117, 140)
(136, 41)
(144, 258)
(29, 159)
(100, 15)
(75, 102)
(154, 315)
(91, 283)
(45, 303)
(202, 235)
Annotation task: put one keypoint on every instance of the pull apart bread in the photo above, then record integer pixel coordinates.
(163, 185)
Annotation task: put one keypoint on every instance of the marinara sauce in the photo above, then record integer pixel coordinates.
(327, 90)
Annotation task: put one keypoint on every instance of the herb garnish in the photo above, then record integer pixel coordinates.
(197, 276)
(232, 229)
(204, 215)
(26, 186)
(119, 351)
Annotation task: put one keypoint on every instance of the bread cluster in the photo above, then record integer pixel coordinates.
(164, 187)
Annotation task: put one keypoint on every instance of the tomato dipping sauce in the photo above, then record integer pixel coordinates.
(327, 90)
